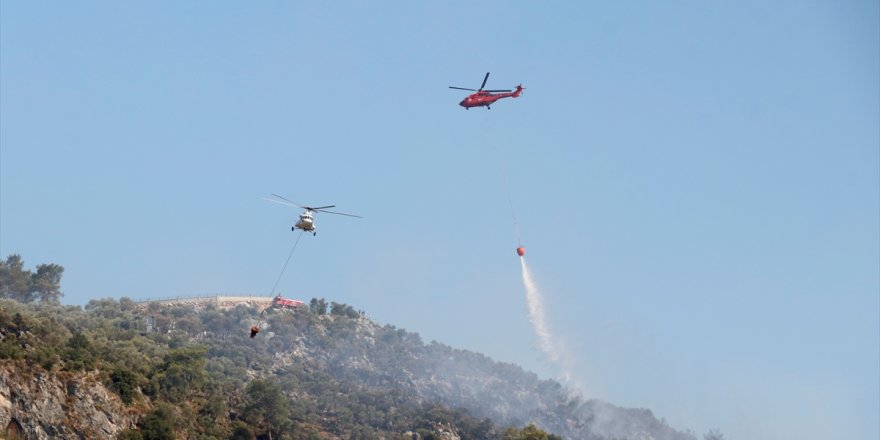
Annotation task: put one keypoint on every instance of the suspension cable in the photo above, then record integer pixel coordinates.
(272, 292)
(502, 165)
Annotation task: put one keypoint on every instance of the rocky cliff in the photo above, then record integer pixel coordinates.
(40, 405)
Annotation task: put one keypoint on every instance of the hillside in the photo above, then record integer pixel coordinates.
(316, 373)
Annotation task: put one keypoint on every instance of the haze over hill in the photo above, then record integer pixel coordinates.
(191, 368)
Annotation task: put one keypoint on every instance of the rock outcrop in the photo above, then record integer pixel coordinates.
(36, 404)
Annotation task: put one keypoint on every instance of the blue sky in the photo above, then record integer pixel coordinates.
(697, 184)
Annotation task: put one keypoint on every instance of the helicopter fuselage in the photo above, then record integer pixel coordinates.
(306, 223)
(485, 99)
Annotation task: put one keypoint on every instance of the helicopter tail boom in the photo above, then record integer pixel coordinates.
(518, 91)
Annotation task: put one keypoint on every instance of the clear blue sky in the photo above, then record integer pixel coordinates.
(696, 183)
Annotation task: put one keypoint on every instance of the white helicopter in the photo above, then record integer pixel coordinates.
(306, 219)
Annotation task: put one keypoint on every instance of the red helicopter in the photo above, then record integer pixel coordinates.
(486, 97)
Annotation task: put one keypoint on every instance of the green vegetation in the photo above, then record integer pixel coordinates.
(530, 432)
(189, 371)
(24, 286)
(318, 372)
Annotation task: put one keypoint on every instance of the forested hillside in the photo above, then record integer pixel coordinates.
(323, 371)
(197, 375)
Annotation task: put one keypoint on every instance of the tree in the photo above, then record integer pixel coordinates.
(190, 325)
(530, 432)
(15, 282)
(318, 306)
(23, 286)
(265, 406)
(713, 434)
(183, 372)
(47, 282)
(158, 424)
(342, 309)
(363, 433)
(241, 432)
(212, 413)
(127, 304)
(130, 434)
(80, 355)
(124, 382)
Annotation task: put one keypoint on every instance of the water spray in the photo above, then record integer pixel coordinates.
(554, 350)
(537, 317)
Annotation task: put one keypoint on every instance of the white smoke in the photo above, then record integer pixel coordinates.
(550, 345)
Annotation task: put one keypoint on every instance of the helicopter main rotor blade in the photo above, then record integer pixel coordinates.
(289, 201)
(318, 208)
(462, 88)
(484, 81)
(338, 213)
(280, 202)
